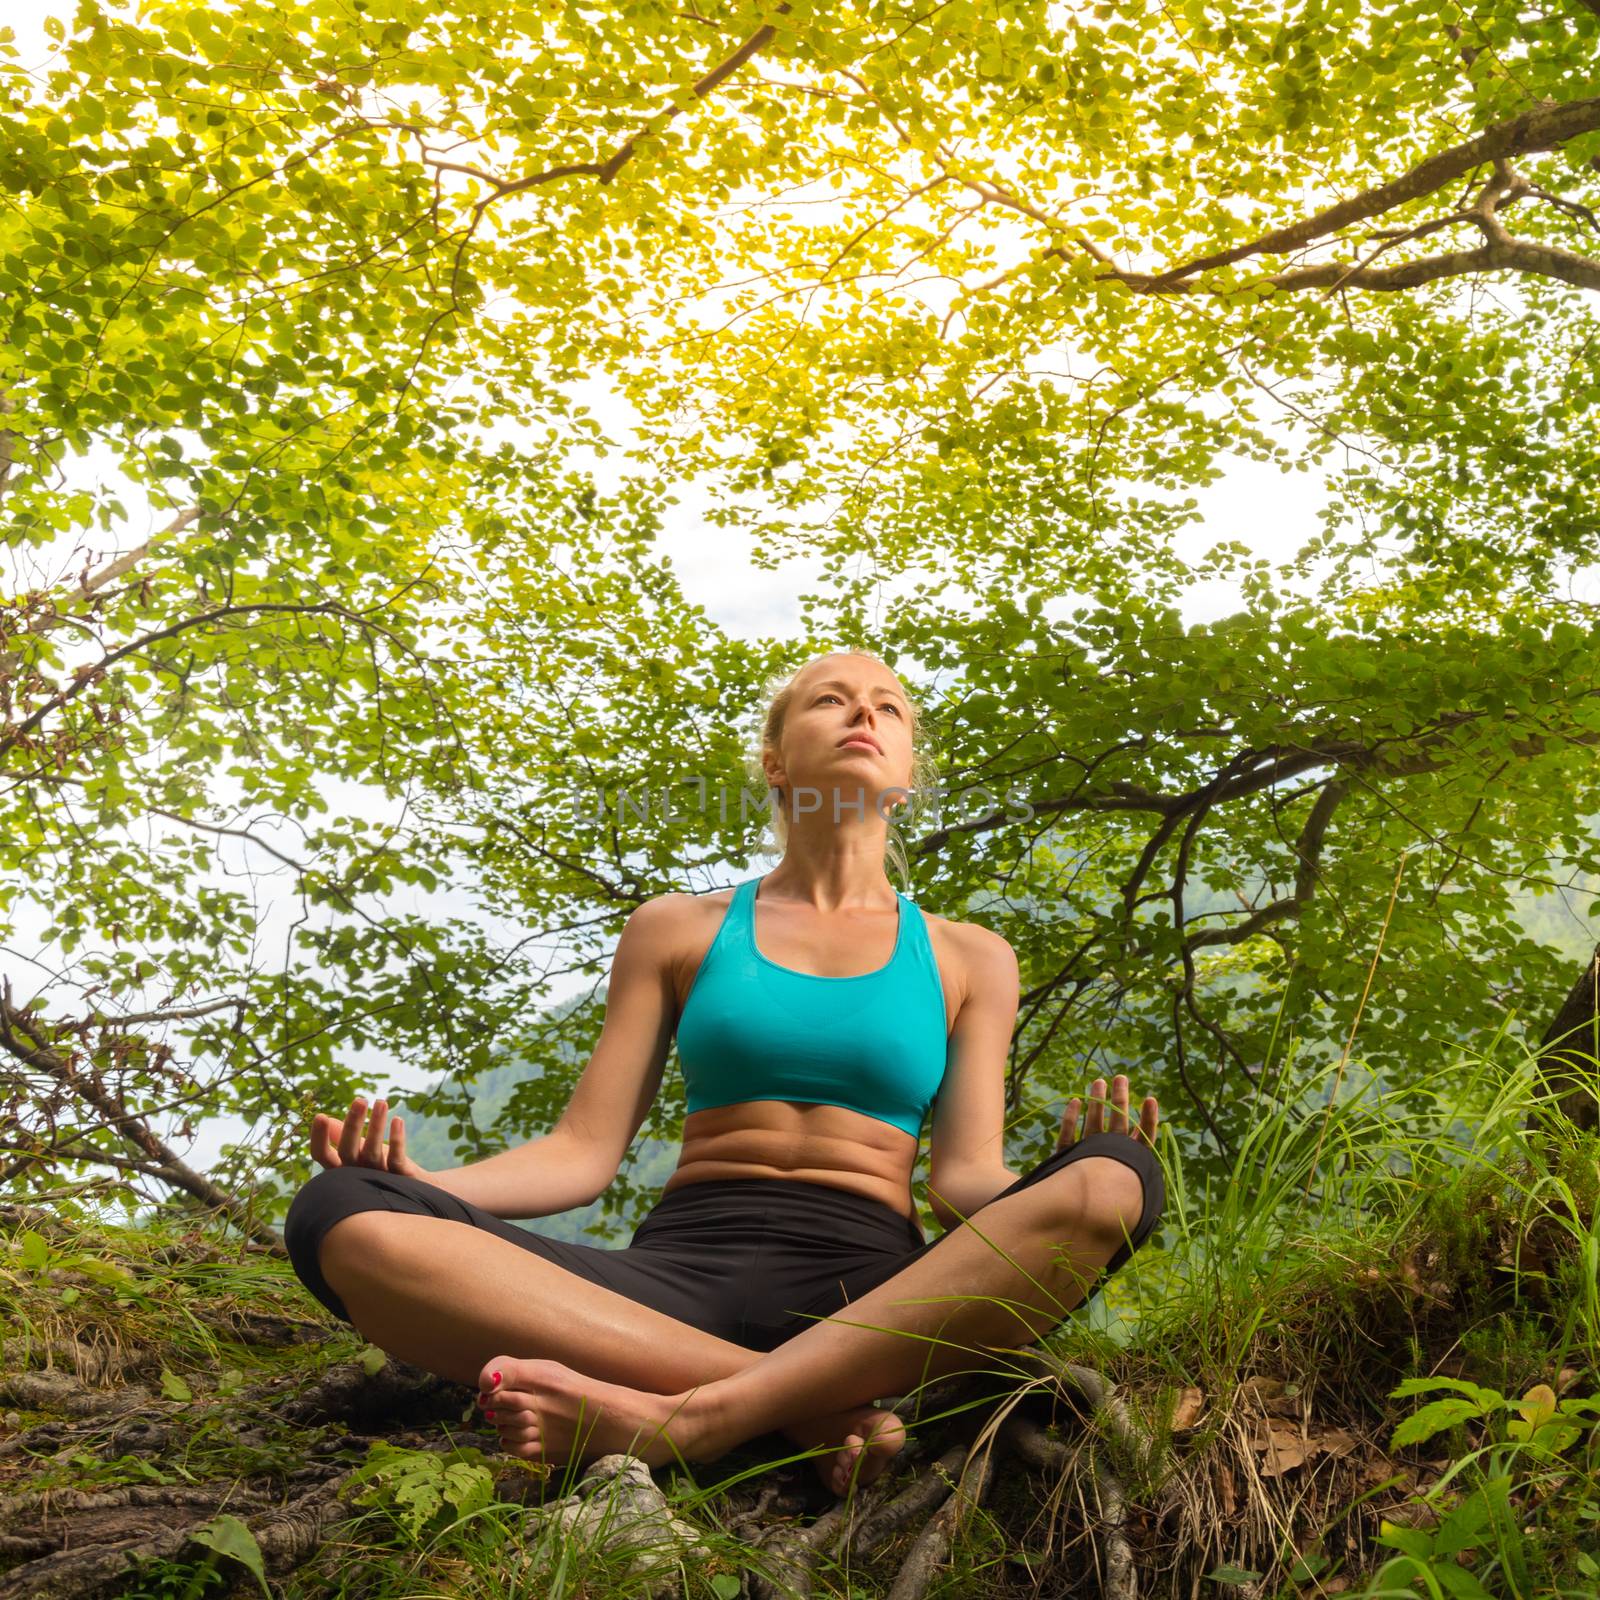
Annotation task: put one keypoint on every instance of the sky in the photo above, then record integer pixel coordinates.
(1271, 512)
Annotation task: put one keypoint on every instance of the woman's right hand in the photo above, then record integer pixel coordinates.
(340, 1144)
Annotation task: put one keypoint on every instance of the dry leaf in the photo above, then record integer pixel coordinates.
(1191, 1402)
(1223, 1479)
(1281, 1446)
(1274, 1396)
(1261, 1390)
(1336, 1441)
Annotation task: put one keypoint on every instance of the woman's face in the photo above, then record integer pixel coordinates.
(843, 707)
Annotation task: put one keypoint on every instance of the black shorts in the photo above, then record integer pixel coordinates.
(751, 1260)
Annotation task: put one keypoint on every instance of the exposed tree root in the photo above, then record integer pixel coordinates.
(913, 1505)
(75, 1538)
(15, 1215)
(793, 1553)
(932, 1546)
(95, 1359)
(65, 1393)
(790, 1556)
(1118, 1577)
(81, 1543)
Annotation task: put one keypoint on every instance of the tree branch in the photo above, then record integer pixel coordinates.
(1544, 126)
(18, 1037)
(1541, 127)
(1569, 1049)
(607, 170)
(1308, 853)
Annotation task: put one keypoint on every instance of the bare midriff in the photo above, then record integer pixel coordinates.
(788, 1138)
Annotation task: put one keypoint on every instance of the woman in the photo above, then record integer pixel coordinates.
(781, 1281)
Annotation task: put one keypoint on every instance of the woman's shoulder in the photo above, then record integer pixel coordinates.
(974, 946)
(678, 905)
(974, 933)
(680, 914)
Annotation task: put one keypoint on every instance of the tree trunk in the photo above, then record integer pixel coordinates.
(1569, 1050)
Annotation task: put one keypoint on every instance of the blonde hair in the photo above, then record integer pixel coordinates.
(778, 691)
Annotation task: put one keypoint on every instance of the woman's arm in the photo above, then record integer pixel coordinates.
(553, 1173)
(563, 1169)
(575, 1162)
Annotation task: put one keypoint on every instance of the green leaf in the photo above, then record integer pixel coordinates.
(1456, 1580)
(1413, 1541)
(1307, 1565)
(418, 1484)
(1432, 1419)
(227, 1535)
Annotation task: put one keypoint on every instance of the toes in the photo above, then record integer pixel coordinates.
(510, 1410)
(892, 1437)
(521, 1441)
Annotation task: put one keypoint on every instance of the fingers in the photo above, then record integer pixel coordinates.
(362, 1151)
(372, 1146)
(350, 1134)
(397, 1145)
(1109, 1112)
(1095, 1121)
(1069, 1122)
(322, 1150)
(1149, 1117)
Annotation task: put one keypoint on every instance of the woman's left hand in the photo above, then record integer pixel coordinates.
(1112, 1117)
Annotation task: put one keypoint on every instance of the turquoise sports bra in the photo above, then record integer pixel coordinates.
(874, 1042)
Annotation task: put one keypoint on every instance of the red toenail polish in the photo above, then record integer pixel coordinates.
(497, 1380)
(488, 1413)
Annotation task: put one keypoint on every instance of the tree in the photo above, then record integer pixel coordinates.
(315, 291)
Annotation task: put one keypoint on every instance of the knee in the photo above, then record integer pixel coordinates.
(362, 1240)
(1101, 1197)
(333, 1214)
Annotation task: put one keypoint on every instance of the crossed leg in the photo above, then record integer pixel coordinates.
(1002, 1278)
(446, 1297)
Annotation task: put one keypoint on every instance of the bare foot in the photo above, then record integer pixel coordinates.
(545, 1411)
(869, 1437)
